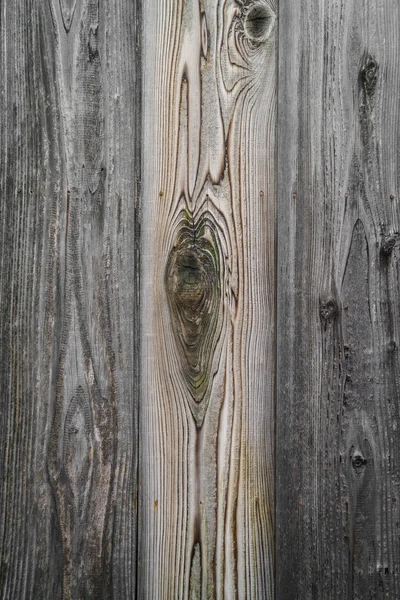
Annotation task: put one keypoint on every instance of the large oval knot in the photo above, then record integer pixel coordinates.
(193, 286)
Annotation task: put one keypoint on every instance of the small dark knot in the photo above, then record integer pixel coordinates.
(369, 74)
(388, 243)
(358, 462)
(328, 310)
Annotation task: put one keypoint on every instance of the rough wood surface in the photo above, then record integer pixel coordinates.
(68, 298)
(206, 416)
(137, 438)
(338, 447)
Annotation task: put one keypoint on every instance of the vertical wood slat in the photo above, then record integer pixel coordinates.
(207, 417)
(69, 298)
(338, 447)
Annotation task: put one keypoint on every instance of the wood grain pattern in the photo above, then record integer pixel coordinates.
(69, 298)
(338, 301)
(137, 433)
(207, 415)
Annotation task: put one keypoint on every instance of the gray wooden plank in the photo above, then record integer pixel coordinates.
(338, 446)
(70, 132)
(207, 411)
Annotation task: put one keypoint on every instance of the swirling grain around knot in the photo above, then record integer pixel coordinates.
(193, 280)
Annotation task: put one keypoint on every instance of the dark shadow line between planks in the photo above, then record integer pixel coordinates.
(275, 309)
(137, 338)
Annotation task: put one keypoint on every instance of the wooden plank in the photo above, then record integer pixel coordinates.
(338, 448)
(69, 300)
(207, 415)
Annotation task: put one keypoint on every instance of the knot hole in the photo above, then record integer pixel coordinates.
(259, 22)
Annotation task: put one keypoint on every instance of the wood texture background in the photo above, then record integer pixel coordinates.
(152, 322)
(70, 131)
(207, 360)
(338, 445)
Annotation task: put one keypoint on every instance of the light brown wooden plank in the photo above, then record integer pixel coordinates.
(207, 415)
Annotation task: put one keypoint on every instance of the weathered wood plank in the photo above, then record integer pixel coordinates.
(69, 298)
(207, 415)
(338, 449)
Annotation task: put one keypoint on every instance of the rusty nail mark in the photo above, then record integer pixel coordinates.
(294, 195)
(391, 196)
(155, 503)
(161, 194)
(393, 499)
(346, 195)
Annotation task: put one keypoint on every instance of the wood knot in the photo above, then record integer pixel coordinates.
(387, 245)
(358, 461)
(369, 74)
(193, 286)
(259, 22)
(192, 276)
(329, 310)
